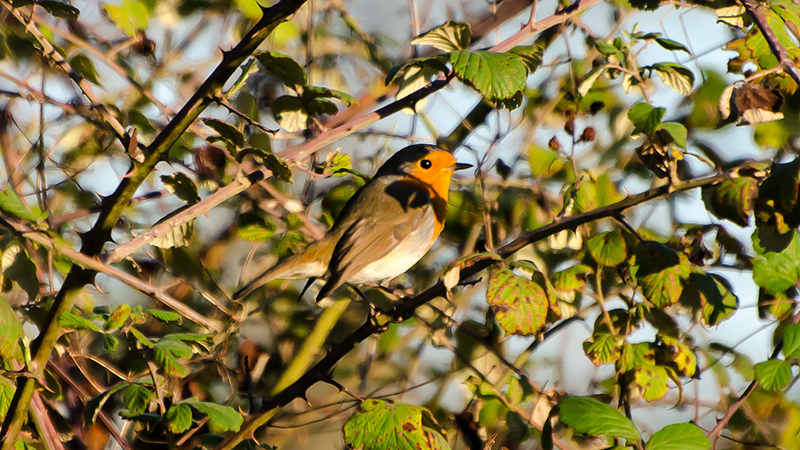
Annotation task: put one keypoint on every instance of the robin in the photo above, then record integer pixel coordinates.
(384, 229)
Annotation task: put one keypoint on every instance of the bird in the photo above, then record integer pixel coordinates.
(384, 229)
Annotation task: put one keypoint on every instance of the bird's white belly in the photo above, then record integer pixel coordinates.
(401, 258)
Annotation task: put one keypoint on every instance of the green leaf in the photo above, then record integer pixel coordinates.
(283, 68)
(137, 398)
(651, 381)
(675, 76)
(110, 342)
(224, 417)
(227, 131)
(182, 186)
(520, 304)
(7, 389)
(10, 336)
(531, 56)
(669, 44)
(545, 163)
(773, 375)
(570, 279)
(179, 418)
(95, 404)
(118, 318)
(589, 416)
(385, 425)
(73, 322)
(776, 273)
(290, 113)
(167, 353)
(677, 131)
(791, 341)
(679, 436)
(608, 249)
(315, 92)
(659, 271)
(646, 118)
(274, 164)
(732, 199)
(252, 227)
(141, 338)
(165, 316)
(450, 37)
(84, 66)
(497, 76)
(130, 16)
(603, 348)
(590, 79)
(17, 266)
(12, 205)
(710, 295)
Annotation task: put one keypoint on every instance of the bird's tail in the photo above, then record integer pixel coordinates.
(310, 263)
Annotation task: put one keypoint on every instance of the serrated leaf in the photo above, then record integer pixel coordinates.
(274, 164)
(227, 131)
(589, 416)
(646, 118)
(182, 186)
(137, 399)
(166, 356)
(497, 76)
(776, 273)
(679, 436)
(531, 56)
(773, 375)
(179, 418)
(73, 322)
(141, 338)
(385, 425)
(177, 236)
(255, 228)
(118, 318)
(675, 76)
(10, 335)
(520, 304)
(570, 279)
(676, 131)
(669, 44)
(165, 316)
(651, 381)
(608, 249)
(659, 271)
(224, 417)
(110, 342)
(603, 348)
(95, 404)
(84, 66)
(12, 205)
(283, 68)
(791, 341)
(450, 37)
(732, 199)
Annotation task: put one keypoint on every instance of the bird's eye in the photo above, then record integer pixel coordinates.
(425, 164)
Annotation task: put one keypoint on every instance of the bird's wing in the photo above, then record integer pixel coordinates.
(379, 231)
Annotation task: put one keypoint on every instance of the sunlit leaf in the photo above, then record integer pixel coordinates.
(450, 37)
(385, 425)
(520, 304)
(589, 416)
(679, 436)
(495, 75)
(774, 374)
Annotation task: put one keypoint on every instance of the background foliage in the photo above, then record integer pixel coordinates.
(620, 270)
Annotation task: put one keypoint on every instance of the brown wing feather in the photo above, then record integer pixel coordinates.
(370, 239)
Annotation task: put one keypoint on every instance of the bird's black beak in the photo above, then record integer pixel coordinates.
(461, 166)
